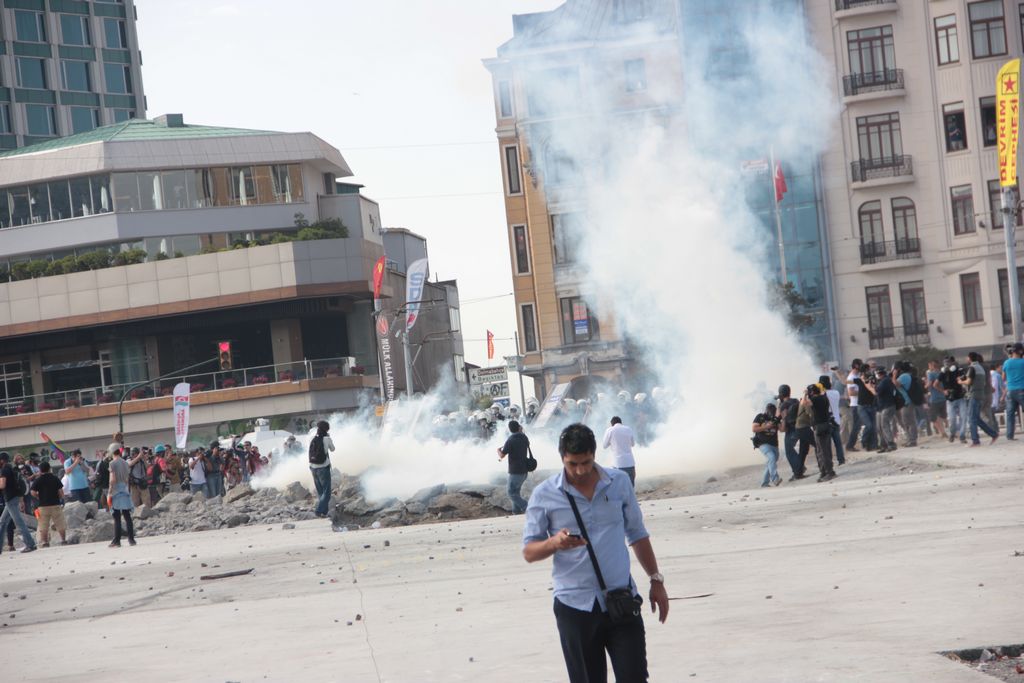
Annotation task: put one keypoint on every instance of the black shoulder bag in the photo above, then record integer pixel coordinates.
(531, 462)
(622, 605)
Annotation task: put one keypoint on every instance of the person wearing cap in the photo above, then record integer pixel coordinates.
(821, 421)
(13, 492)
(1013, 376)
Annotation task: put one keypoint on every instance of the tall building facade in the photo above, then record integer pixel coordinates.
(67, 67)
(636, 54)
(911, 179)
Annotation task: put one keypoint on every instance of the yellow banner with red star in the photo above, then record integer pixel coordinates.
(1007, 120)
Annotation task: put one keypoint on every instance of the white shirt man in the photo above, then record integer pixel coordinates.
(620, 439)
(851, 388)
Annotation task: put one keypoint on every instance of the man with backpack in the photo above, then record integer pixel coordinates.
(320, 466)
(911, 396)
(14, 489)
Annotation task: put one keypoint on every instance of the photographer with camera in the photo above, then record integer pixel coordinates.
(862, 402)
(821, 421)
(197, 467)
(956, 405)
(766, 440)
(833, 401)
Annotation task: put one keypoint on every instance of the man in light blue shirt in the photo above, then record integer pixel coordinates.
(1013, 374)
(611, 518)
(78, 477)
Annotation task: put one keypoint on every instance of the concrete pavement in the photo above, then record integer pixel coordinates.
(862, 579)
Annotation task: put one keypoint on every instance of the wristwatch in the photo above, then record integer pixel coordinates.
(657, 576)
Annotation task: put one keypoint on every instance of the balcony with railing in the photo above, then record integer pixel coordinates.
(892, 250)
(915, 334)
(845, 7)
(199, 382)
(865, 170)
(873, 82)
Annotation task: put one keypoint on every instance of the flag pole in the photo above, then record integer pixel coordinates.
(778, 216)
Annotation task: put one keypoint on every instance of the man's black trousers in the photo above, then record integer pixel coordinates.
(585, 637)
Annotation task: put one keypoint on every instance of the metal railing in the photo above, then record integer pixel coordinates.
(851, 4)
(863, 170)
(893, 250)
(872, 81)
(915, 334)
(204, 381)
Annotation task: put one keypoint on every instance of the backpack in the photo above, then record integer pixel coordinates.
(317, 452)
(916, 391)
(22, 485)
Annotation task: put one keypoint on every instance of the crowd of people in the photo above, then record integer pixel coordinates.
(879, 409)
(118, 479)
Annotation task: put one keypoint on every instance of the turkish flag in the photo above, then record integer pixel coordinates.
(780, 182)
(378, 277)
(490, 345)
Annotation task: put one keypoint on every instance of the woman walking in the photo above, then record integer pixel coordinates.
(120, 499)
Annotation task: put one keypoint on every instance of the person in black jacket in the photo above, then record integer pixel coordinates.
(821, 423)
(516, 447)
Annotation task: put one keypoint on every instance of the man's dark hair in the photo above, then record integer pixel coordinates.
(322, 427)
(5, 456)
(214, 444)
(825, 382)
(974, 356)
(576, 439)
(785, 391)
(44, 466)
(856, 364)
(513, 426)
(616, 420)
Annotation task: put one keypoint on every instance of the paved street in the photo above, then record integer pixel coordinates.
(867, 580)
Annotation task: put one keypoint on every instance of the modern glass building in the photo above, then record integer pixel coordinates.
(68, 66)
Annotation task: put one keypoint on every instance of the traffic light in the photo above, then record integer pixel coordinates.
(224, 352)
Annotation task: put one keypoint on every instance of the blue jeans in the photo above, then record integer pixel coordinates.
(974, 411)
(12, 513)
(771, 456)
(956, 411)
(837, 445)
(1014, 402)
(322, 482)
(213, 485)
(792, 437)
(81, 495)
(863, 417)
(515, 485)
(198, 488)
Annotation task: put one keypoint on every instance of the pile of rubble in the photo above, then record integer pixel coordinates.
(179, 512)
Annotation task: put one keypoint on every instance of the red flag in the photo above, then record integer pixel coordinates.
(780, 182)
(490, 345)
(378, 277)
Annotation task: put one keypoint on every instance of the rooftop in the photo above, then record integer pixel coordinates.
(167, 127)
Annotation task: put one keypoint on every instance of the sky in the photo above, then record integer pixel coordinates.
(397, 85)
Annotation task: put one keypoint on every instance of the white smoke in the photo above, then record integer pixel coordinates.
(671, 252)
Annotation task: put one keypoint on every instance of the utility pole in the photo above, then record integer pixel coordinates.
(1009, 206)
(408, 363)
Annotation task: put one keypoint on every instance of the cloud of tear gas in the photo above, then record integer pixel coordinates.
(671, 250)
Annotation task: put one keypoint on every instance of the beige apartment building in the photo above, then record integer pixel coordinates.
(911, 187)
(608, 49)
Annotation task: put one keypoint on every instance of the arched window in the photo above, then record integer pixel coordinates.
(904, 221)
(871, 235)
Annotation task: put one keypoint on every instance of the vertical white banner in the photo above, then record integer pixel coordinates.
(416, 277)
(182, 400)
